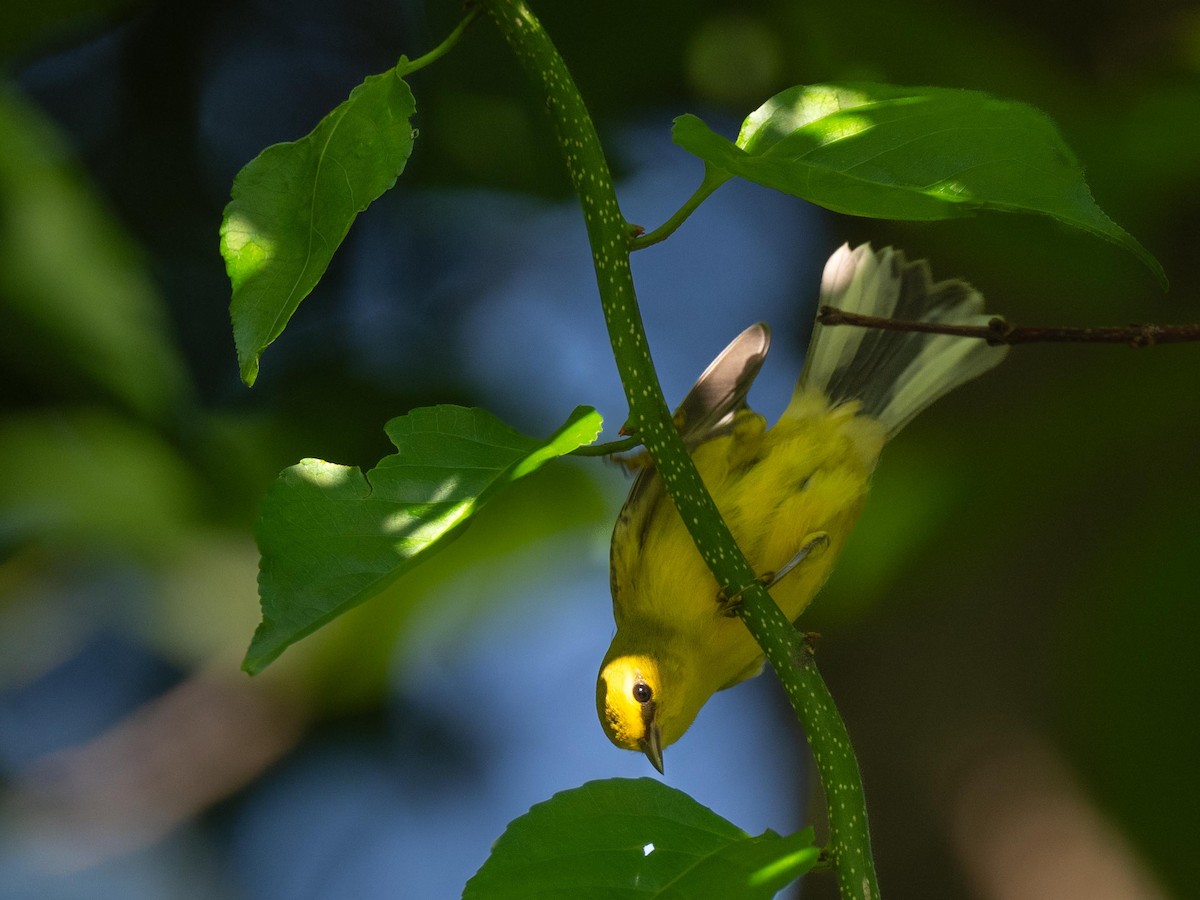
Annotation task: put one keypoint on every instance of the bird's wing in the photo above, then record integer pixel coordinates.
(709, 407)
(707, 411)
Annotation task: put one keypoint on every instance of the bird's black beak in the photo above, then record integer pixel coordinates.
(652, 745)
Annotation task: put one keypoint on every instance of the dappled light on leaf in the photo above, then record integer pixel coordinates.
(909, 153)
(253, 249)
(293, 204)
(332, 537)
(784, 867)
(842, 129)
(790, 110)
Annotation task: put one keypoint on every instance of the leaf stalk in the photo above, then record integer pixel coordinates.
(713, 179)
(445, 46)
(630, 443)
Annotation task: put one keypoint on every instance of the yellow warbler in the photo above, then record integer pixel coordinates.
(790, 494)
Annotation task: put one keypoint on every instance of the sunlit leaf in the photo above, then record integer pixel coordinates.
(331, 537)
(293, 204)
(909, 153)
(636, 839)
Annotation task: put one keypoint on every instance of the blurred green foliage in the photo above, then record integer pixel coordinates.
(81, 311)
(29, 27)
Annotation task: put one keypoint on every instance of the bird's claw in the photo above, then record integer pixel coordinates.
(815, 544)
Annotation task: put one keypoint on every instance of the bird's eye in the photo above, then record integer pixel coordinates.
(642, 692)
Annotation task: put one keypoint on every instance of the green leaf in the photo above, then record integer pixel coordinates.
(331, 538)
(293, 204)
(638, 839)
(909, 153)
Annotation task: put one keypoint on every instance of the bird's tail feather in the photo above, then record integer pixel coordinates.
(893, 374)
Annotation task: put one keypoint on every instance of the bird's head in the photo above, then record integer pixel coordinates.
(642, 703)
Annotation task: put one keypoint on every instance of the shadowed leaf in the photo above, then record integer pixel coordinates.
(331, 537)
(636, 839)
(293, 204)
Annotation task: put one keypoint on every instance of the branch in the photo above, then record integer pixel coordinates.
(630, 443)
(649, 417)
(997, 331)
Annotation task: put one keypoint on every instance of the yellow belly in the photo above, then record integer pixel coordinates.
(775, 488)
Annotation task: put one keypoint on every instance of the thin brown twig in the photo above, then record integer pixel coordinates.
(998, 331)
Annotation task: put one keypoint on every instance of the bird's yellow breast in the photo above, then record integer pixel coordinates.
(808, 474)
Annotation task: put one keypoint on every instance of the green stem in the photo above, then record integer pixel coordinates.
(444, 47)
(610, 448)
(845, 800)
(713, 179)
(784, 647)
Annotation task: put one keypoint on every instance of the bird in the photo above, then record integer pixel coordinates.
(790, 494)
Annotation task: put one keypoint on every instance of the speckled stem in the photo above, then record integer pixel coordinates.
(785, 648)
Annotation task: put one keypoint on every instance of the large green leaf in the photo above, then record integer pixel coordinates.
(637, 839)
(293, 204)
(331, 537)
(909, 153)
